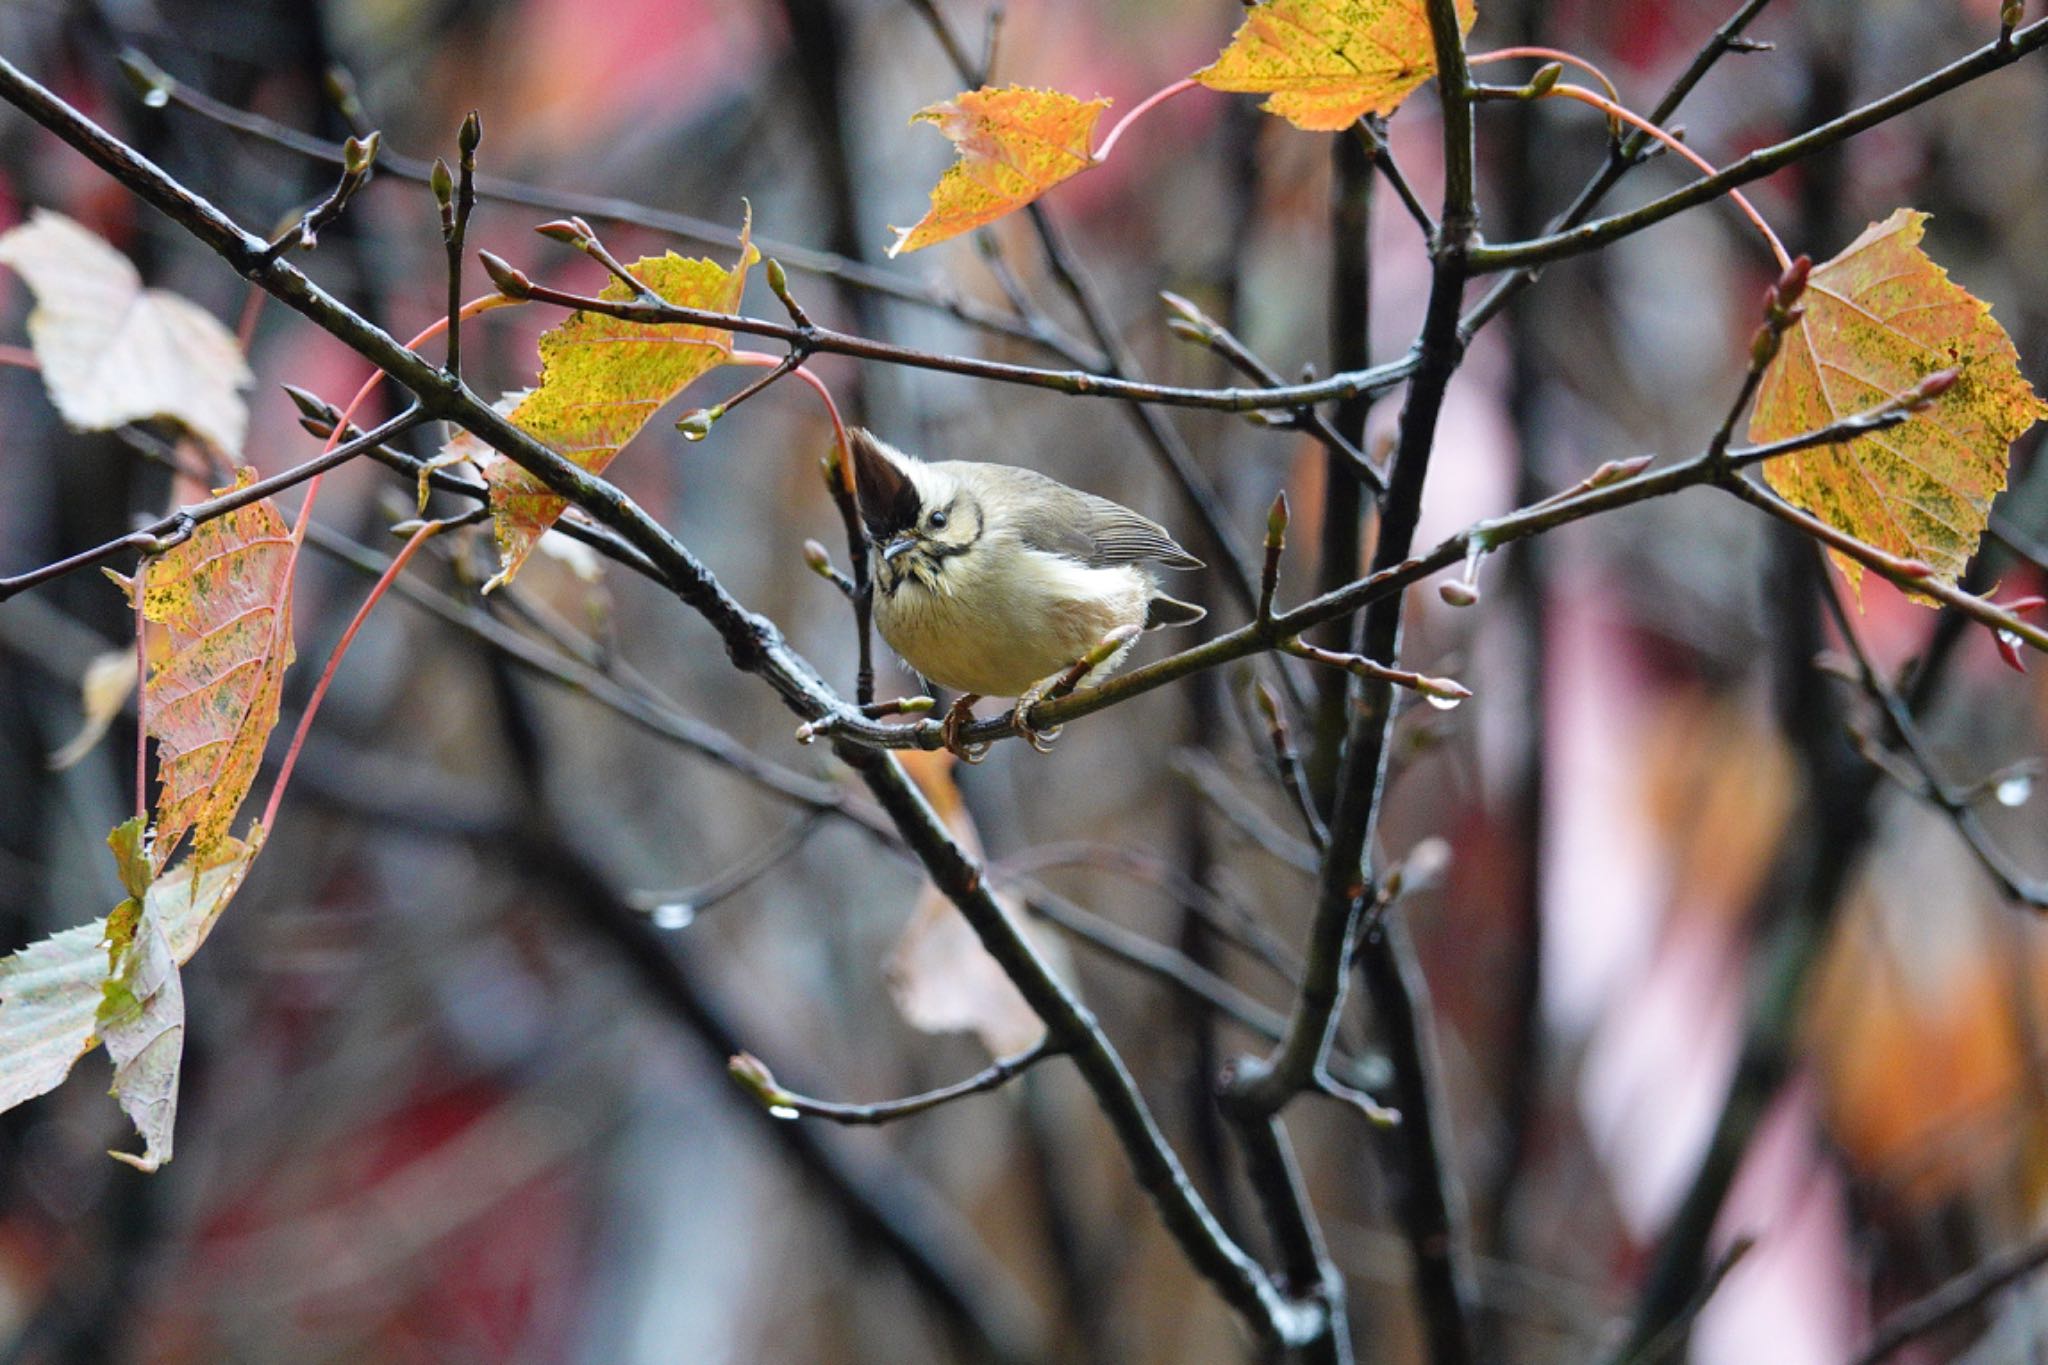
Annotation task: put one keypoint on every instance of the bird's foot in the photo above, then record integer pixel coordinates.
(959, 716)
(1039, 739)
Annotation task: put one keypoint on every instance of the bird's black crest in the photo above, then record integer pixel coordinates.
(888, 500)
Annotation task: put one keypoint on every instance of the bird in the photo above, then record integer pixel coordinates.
(994, 580)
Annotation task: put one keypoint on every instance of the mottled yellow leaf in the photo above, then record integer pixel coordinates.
(1326, 63)
(224, 597)
(1878, 318)
(602, 379)
(112, 351)
(1014, 143)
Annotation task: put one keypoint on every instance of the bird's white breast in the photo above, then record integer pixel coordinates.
(1005, 616)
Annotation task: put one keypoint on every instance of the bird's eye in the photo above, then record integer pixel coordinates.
(938, 521)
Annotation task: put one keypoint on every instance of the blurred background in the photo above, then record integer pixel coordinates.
(455, 1085)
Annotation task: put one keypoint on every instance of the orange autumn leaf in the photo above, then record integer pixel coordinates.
(1326, 63)
(1878, 318)
(1014, 143)
(602, 379)
(224, 597)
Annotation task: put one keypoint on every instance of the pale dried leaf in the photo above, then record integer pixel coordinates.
(940, 977)
(103, 691)
(114, 352)
(116, 980)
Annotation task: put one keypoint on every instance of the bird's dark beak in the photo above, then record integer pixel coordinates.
(897, 546)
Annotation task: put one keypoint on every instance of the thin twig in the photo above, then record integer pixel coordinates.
(787, 1104)
(1971, 1289)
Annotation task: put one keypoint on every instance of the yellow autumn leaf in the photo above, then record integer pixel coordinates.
(1326, 63)
(602, 379)
(1877, 319)
(1014, 143)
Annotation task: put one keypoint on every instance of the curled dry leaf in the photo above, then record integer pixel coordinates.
(116, 980)
(1015, 143)
(224, 597)
(1878, 319)
(603, 379)
(112, 351)
(103, 690)
(1327, 63)
(941, 978)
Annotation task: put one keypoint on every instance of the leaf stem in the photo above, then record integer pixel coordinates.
(419, 537)
(1143, 106)
(1613, 109)
(1545, 54)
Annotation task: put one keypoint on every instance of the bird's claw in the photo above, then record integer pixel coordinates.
(959, 716)
(1040, 739)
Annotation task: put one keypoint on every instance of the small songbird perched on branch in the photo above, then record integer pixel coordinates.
(994, 580)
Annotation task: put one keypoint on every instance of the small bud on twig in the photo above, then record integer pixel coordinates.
(1276, 543)
(442, 181)
(750, 1072)
(1544, 81)
(152, 83)
(471, 135)
(569, 232)
(1614, 471)
(311, 405)
(339, 84)
(1276, 522)
(1268, 703)
(359, 154)
(512, 283)
(695, 424)
(1457, 593)
(1922, 395)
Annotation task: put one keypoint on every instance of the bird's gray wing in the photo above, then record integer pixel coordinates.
(1100, 533)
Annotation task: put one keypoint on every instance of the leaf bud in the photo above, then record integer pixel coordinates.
(1268, 703)
(358, 154)
(311, 405)
(1276, 521)
(1763, 347)
(818, 558)
(1930, 388)
(566, 231)
(1109, 644)
(1792, 283)
(152, 83)
(443, 184)
(1544, 81)
(750, 1072)
(778, 278)
(2011, 14)
(1614, 471)
(340, 84)
(695, 424)
(512, 283)
(472, 133)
